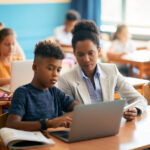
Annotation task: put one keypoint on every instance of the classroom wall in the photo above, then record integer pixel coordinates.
(33, 20)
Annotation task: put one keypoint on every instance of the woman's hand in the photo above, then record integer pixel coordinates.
(130, 114)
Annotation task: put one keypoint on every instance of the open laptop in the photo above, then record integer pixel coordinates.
(21, 73)
(93, 121)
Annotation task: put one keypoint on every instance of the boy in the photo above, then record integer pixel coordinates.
(39, 105)
(63, 34)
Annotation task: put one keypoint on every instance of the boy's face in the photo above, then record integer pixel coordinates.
(47, 71)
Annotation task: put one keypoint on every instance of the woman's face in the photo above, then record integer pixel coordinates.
(7, 46)
(86, 53)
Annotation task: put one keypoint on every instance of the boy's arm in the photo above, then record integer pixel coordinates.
(14, 121)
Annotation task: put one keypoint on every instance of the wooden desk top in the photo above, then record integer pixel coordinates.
(136, 81)
(67, 48)
(137, 57)
(132, 135)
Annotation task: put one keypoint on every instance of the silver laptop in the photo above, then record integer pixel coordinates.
(93, 121)
(21, 73)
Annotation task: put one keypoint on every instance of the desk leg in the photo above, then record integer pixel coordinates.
(141, 70)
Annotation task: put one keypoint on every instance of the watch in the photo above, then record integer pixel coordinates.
(43, 124)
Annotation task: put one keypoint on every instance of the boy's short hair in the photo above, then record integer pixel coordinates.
(46, 49)
(72, 15)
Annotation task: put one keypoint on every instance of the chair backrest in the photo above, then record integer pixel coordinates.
(147, 92)
(3, 119)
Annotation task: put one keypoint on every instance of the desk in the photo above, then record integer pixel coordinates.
(139, 59)
(136, 83)
(132, 135)
(66, 48)
(3, 103)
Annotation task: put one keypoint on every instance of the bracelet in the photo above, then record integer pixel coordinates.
(43, 124)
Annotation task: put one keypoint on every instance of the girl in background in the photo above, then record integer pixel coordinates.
(7, 48)
(121, 45)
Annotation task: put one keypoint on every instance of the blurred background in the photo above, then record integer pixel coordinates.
(35, 20)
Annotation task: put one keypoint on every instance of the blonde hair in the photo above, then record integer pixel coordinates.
(118, 30)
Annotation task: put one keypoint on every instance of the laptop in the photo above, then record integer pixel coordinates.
(93, 121)
(21, 73)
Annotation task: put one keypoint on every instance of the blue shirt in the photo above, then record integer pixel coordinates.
(95, 93)
(33, 104)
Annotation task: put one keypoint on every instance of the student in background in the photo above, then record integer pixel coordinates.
(1, 25)
(63, 33)
(92, 82)
(121, 45)
(7, 48)
(19, 51)
(39, 105)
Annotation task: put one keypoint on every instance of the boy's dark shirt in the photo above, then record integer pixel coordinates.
(33, 104)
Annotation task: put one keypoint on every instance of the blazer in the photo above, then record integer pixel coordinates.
(111, 80)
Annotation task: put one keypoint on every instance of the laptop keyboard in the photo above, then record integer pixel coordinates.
(63, 134)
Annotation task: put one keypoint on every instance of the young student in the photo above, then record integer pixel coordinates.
(92, 82)
(63, 33)
(39, 105)
(19, 51)
(7, 48)
(121, 45)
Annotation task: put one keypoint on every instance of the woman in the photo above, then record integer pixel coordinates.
(91, 82)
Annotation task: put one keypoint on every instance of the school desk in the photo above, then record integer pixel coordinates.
(66, 48)
(132, 135)
(139, 59)
(3, 103)
(136, 83)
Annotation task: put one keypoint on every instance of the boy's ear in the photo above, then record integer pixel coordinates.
(34, 67)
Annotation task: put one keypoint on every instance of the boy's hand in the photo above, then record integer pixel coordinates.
(63, 121)
(130, 114)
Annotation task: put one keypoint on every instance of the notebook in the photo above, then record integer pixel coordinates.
(93, 121)
(21, 73)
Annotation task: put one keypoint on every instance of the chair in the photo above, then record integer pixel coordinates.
(3, 119)
(146, 88)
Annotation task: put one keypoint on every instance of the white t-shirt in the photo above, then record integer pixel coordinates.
(128, 47)
(62, 36)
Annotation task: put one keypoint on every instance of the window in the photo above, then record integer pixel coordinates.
(134, 13)
(138, 13)
(111, 10)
